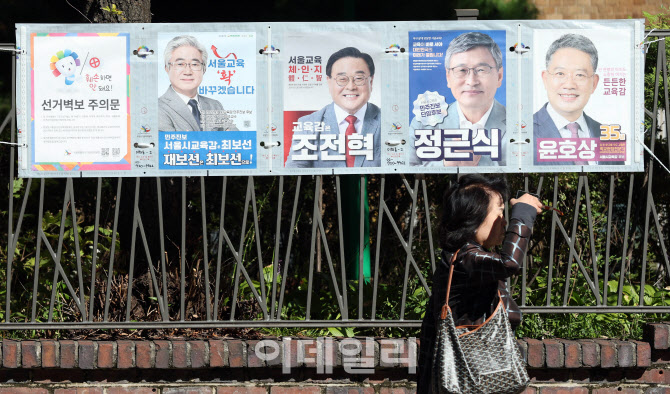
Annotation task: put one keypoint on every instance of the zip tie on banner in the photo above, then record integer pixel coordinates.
(12, 143)
(270, 144)
(394, 48)
(519, 48)
(266, 51)
(395, 142)
(654, 156)
(645, 44)
(16, 51)
(143, 51)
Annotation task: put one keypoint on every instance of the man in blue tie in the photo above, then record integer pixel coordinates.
(181, 108)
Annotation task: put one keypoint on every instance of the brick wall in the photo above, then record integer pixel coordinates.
(595, 9)
(291, 365)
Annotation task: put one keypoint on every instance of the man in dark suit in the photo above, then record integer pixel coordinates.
(318, 142)
(181, 108)
(570, 79)
(474, 71)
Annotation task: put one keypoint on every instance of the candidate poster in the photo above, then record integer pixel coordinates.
(457, 101)
(332, 98)
(80, 103)
(207, 101)
(583, 98)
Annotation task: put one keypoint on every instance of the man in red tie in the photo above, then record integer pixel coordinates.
(570, 79)
(346, 132)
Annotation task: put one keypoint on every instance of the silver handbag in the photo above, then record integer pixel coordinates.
(477, 359)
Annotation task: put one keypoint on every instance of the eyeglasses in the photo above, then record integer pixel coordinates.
(578, 77)
(195, 66)
(462, 72)
(343, 80)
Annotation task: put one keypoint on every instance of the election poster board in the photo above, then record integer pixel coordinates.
(317, 135)
(457, 99)
(79, 102)
(217, 130)
(583, 98)
(402, 97)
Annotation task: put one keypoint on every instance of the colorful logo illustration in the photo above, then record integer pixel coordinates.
(143, 51)
(146, 129)
(397, 126)
(272, 49)
(395, 49)
(67, 152)
(65, 62)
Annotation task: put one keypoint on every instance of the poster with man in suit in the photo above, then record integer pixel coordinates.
(207, 101)
(583, 102)
(457, 99)
(332, 117)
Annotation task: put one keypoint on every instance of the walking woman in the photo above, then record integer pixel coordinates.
(473, 224)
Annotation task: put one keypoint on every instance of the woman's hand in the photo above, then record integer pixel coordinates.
(530, 200)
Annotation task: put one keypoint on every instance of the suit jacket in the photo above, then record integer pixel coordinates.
(174, 115)
(497, 119)
(371, 125)
(544, 127)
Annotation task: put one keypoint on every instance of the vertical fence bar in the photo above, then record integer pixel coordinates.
(220, 248)
(380, 219)
(161, 243)
(594, 255)
(414, 192)
(426, 205)
(361, 245)
(182, 279)
(94, 252)
(38, 254)
(607, 241)
(315, 220)
(77, 251)
(624, 253)
(275, 254)
(10, 199)
(571, 241)
(136, 213)
(257, 236)
(552, 243)
(661, 65)
(110, 270)
(205, 254)
(343, 268)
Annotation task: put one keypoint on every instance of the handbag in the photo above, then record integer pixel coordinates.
(477, 359)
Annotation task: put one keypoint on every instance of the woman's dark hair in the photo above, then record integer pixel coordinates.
(465, 206)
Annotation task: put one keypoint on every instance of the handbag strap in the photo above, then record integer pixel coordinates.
(445, 307)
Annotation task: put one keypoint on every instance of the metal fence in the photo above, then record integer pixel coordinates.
(270, 251)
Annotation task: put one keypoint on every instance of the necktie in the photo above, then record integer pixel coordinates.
(351, 119)
(196, 112)
(574, 128)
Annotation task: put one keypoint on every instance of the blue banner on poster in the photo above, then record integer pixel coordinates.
(212, 150)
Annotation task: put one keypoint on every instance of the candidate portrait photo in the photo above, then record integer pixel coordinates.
(470, 77)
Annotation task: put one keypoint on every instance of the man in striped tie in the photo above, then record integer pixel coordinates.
(346, 132)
